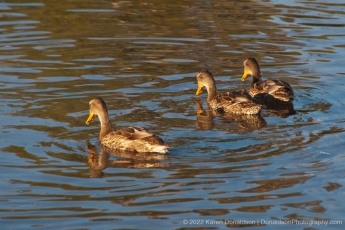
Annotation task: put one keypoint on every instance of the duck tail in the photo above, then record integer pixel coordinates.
(159, 148)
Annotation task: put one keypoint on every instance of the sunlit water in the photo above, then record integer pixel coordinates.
(142, 59)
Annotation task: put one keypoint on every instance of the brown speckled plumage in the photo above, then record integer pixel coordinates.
(237, 102)
(133, 138)
(272, 93)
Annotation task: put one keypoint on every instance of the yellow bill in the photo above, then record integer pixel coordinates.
(199, 90)
(90, 119)
(245, 75)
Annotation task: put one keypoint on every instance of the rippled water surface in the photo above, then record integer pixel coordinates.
(142, 59)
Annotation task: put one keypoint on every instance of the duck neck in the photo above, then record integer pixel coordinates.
(106, 127)
(256, 77)
(212, 92)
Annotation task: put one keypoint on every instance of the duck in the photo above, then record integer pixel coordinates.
(132, 138)
(236, 102)
(272, 93)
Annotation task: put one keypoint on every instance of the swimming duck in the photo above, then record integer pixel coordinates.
(272, 93)
(237, 102)
(133, 138)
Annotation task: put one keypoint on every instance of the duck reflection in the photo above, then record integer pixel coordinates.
(283, 111)
(100, 161)
(204, 119)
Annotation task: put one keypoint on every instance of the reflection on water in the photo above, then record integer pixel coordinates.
(101, 161)
(204, 119)
(283, 112)
(142, 58)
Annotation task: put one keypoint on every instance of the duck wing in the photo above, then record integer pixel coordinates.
(234, 97)
(277, 88)
(139, 133)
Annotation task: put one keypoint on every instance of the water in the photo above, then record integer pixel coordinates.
(142, 59)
